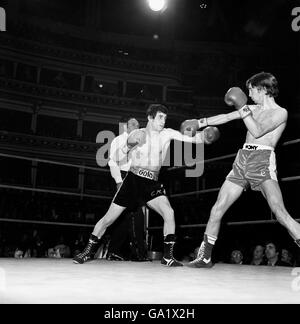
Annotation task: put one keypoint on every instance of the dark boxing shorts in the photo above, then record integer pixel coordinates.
(139, 187)
(253, 165)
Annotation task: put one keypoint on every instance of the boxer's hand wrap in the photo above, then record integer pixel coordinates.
(202, 122)
(245, 111)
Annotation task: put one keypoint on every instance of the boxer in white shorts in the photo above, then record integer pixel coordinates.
(255, 164)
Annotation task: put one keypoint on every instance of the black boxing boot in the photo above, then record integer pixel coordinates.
(203, 259)
(89, 251)
(168, 258)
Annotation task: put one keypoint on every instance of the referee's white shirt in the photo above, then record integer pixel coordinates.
(123, 165)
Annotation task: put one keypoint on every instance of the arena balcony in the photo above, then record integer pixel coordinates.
(102, 104)
(44, 145)
(113, 59)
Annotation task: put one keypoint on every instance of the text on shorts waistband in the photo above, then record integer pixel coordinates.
(144, 173)
(254, 147)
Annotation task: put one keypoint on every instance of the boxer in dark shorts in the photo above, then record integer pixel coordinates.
(139, 186)
(147, 148)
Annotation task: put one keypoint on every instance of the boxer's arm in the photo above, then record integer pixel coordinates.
(122, 153)
(270, 122)
(223, 118)
(115, 171)
(113, 165)
(119, 149)
(176, 135)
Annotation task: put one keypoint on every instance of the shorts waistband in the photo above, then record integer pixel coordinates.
(145, 173)
(254, 147)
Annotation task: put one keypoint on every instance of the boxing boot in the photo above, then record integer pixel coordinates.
(168, 258)
(89, 251)
(203, 259)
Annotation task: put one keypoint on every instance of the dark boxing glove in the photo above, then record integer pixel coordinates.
(211, 134)
(190, 126)
(136, 137)
(237, 98)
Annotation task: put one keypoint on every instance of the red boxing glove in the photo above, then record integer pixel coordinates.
(237, 98)
(211, 134)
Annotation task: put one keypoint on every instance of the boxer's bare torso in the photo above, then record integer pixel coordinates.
(268, 118)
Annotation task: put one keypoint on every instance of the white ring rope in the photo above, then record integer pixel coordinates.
(16, 220)
(217, 189)
(291, 142)
(267, 221)
(58, 192)
(226, 156)
(20, 157)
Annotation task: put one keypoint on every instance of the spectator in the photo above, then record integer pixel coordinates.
(258, 255)
(60, 250)
(236, 257)
(18, 254)
(52, 253)
(272, 255)
(287, 257)
(63, 250)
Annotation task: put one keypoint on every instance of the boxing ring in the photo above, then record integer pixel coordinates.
(111, 282)
(43, 280)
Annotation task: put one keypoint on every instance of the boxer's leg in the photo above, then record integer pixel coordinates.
(162, 206)
(272, 193)
(120, 233)
(111, 215)
(228, 194)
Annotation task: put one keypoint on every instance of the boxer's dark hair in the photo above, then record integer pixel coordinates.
(264, 80)
(153, 109)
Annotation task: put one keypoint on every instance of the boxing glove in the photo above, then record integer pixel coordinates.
(136, 137)
(237, 98)
(190, 126)
(211, 134)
